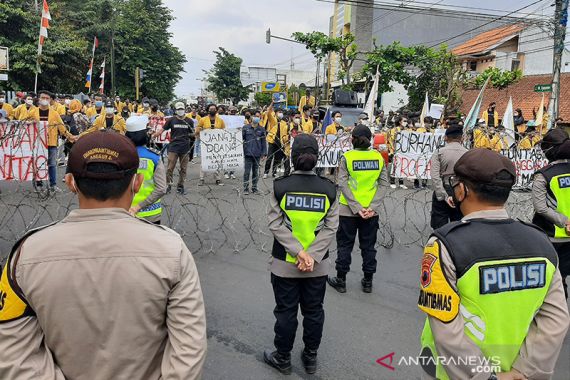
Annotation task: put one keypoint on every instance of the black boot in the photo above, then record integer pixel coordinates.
(279, 361)
(180, 190)
(338, 283)
(367, 285)
(168, 189)
(309, 359)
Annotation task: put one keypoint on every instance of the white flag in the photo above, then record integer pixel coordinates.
(425, 111)
(473, 116)
(372, 98)
(509, 123)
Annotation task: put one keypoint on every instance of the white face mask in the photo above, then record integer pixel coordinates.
(405, 124)
(67, 101)
(44, 102)
(297, 121)
(280, 115)
(2, 100)
(337, 120)
(180, 112)
(109, 110)
(29, 101)
(146, 105)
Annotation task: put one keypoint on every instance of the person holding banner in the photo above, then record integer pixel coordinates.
(551, 197)
(443, 161)
(401, 125)
(359, 177)
(303, 217)
(210, 121)
(45, 113)
(6, 106)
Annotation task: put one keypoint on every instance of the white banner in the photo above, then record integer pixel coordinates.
(331, 149)
(233, 121)
(413, 153)
(527, 162)
(221, 149)
(23, 151)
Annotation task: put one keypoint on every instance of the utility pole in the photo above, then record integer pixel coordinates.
(113, 93)
(560, 21)
(317, 92)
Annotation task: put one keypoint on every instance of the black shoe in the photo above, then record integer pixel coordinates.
(201, 183)
(245, 191)
(309, 359)
(337, 283)
(254, 191)
(219, 182)
(366, 285)
(281, 362)
(168, 189)
(180, 190)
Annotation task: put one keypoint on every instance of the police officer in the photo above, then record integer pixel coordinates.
(303, 217)
(551, 197)
(442, 162)
(147, 203)
(81, 295)
(490, 285)
(359, 177)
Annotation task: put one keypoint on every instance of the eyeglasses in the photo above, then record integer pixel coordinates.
(453, 181)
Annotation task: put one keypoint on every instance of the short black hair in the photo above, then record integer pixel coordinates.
(211, 105)
(46, 92)
(139, 138)
(336, 113)
(306, 107)
(103, 190)
(86, 101)
(489, 193)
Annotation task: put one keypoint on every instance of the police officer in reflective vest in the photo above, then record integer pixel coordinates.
(551, 197)
(147, 202)
(490, 285)
(359, 178)
(303, 217)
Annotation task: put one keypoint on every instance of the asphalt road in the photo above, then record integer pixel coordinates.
(227, 232)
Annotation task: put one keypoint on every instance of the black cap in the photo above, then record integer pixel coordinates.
(454, 130)
(305, 143)
(362, 131)
(109, 104)
(103, 147)
(486, 167)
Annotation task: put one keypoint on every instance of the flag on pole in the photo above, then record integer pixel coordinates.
(90, 71)
(473, 116)
(95, 45)
(44, 25)
(372, 98)
(425, 111)
(509, 123)
(102, 86)
(540, 115)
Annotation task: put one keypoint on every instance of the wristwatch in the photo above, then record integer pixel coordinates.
(493, 376)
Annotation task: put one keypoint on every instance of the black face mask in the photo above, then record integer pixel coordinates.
(456, 201)
(154, 108)
(212, 112)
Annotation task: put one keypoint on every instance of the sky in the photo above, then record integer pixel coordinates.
(201, 26)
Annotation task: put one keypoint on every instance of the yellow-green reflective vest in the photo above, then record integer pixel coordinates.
(364, 169)
(147, 164)
(557, 178)
(502, 282)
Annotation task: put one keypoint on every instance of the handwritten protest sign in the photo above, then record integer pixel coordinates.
(23, 151)
(221, 149)
(331, 149)
(413, 153)
(154, 124)
(233, 121)
(527, 162)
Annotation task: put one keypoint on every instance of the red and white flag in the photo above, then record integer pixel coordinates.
(102, 86)
(46, 17)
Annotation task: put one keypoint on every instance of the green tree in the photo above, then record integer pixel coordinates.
(263, 98)
(224, 78)
(321, 45)
(499, 78)
(392, 61)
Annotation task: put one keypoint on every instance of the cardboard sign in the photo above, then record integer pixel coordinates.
(221, 149)
(527, 162)
(331, 149)
(233, 121)
(23, 151)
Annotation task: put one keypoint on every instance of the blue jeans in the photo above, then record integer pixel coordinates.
(52, 165)
(251, 165)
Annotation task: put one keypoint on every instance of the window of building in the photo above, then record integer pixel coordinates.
(473, 66)
(516, 64)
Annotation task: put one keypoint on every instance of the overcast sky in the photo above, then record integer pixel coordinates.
(239, 26)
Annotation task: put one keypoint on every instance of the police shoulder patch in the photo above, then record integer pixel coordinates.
(12, 303)
(437, 297)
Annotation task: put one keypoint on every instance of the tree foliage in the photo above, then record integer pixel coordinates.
(499, 78)
(224, 78)
(320, 45)
(263, 99)
(140, 30)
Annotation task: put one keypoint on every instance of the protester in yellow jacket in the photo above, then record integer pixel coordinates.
(530, 139)
(307, 99)
(491, 111)
(333, 128)
(6, 106)
(499, 142)
(212, 121)
(108, 120)
(481, 139)
(24, 111)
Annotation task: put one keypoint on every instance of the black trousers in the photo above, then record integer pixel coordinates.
(441, 213)
(563, 250)
(290, 293)
(275, 155)
(346, 236)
